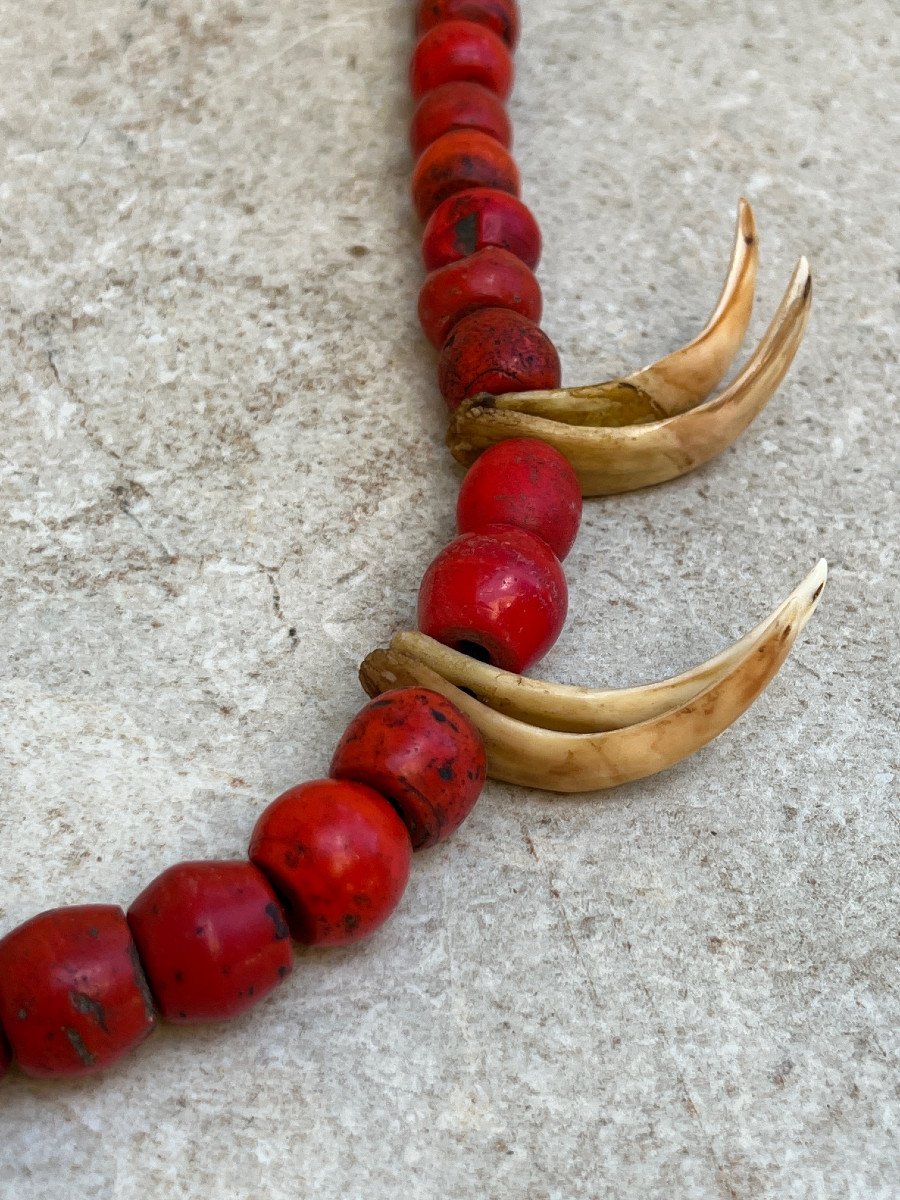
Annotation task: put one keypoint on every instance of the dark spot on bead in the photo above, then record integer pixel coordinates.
(22, 1014)
(465, 233)
(179, 976)
(438, 715)
(273, 912)
(182, 1014)
(446, 772)
(140, 980)
(251, 990)
(93, 931)
(226, 970)
(283, 971)
(79, 1047)
(351, 921)
(90, 1008)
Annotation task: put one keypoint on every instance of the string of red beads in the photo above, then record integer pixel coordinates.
(497, 591)
(329, 859)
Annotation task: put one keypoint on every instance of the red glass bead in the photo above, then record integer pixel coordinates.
(338, 855)
(73, 997)
(502, 16)
(526, 483)
(471, 220)
(213, 939)
(491, 278)
(420, 751)
(458, 106)
(496, 350)
(465, 158)
(499, 595)
(460, 52)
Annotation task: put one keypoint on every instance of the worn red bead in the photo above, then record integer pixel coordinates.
(73, 997)
(471, 220)
(458, 106)
(460, 52)
(415, 747)
(526, 483)
(502, 16)
(465, 158)
(337, 854)
(213, 939)
(499, 595)
(496, 350)
(491, 278)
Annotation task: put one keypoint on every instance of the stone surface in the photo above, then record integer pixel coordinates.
(221, 476)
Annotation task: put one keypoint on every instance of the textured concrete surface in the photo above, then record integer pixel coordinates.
(221, 475)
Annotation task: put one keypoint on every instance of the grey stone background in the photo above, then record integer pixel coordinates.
(222, 474)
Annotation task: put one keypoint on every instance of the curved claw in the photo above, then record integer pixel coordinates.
(575, 739)
(639, 430)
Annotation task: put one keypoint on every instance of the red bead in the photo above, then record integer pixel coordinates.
(499, 595)
(458, 106)
(502, 16)
(526, 483)
(420, 751)
(338, 855)
(73, 998)
(465, 158)
(479, 217)
(213, 939)
(491, 278)
(460, 52)
(496, 350)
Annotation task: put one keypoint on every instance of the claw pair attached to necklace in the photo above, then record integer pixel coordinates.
(644, 428)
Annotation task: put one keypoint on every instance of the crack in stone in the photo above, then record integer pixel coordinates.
(270, 574)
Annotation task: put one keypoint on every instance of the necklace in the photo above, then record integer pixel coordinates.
(329, 859)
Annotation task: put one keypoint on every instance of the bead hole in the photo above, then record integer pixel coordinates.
(473, 650)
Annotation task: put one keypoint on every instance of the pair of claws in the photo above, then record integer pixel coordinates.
(627, 433)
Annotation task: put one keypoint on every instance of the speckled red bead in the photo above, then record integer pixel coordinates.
(337, 854)
(499, 595)
(458, 106)
(465, 158)
(213, 939)
(417, 749)
(502, 16)
(472, 220)
(460, 52)
(73, 997)
(496, 350)
(526, 483)
(491, 278)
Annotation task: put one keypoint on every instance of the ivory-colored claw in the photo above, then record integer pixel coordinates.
(658, 423)
(567, 739)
